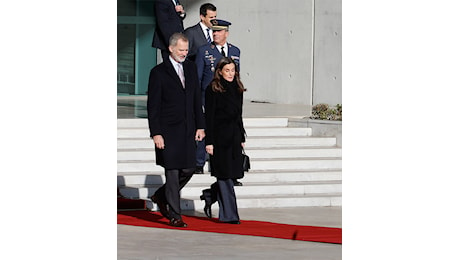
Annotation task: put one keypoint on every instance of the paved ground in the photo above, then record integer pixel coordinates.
(156, 243)
(135, 106)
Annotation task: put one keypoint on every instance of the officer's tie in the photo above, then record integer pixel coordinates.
(222, 51)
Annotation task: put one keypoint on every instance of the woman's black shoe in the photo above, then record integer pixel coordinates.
(207, 211)
(207, 207)
(237, 183)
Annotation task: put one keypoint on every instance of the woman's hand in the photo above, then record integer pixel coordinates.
(210, 149)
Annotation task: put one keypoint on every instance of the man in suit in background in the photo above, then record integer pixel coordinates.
(176, 122)
(209, 55)
(201, 33)
(169, 19)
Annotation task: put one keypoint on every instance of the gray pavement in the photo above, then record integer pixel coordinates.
(135, 107)
(156, 243)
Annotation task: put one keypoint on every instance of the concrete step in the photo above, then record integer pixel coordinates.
(247, 122)
(136, 179)
(289, 142)
(249, 190)
(251, 142)
(256, 164)
(265, 122)
(286, 188)
(300, 152)
(289, 167)
(260, 131)
(267, 201)
(274, 201)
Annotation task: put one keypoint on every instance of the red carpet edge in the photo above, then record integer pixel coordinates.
(146, 218)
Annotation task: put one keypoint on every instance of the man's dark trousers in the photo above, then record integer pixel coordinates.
(169, 193)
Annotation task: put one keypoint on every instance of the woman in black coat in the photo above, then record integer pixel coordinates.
(225, 137)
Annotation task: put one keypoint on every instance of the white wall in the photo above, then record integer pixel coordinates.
(327, 79)
(277, 51)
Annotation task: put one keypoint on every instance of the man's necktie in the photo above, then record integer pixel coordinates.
(180, 72)
(177, 2)
(222, 51)
(208, 37)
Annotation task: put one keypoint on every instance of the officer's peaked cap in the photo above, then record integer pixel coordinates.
(218, 25)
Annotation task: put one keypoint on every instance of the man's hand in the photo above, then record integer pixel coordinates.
(180, 9)
(159, 141)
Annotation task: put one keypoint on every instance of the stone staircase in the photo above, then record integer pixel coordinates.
(289, 167)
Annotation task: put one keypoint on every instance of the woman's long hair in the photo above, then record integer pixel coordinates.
(216, 81)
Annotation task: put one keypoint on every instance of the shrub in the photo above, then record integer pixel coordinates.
(324, 112)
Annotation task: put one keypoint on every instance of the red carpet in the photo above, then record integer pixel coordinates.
(146, 218)
(123, 203)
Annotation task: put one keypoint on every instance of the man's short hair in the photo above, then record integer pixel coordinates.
(176, 37)
(205, 7)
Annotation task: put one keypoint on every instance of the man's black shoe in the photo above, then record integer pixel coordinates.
(162, 206)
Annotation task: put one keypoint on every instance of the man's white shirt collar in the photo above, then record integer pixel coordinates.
(174, 63)
(219, 47)
(204, 29)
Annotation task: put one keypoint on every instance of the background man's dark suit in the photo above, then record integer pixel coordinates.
(196, 39)
(168, 22)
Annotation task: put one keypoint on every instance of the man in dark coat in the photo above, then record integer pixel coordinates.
(169, 19)
(176, 122)
(201, 33)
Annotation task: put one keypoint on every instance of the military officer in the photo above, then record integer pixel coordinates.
(210, 54)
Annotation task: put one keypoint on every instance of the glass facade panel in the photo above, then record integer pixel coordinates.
(135, 56)
(126, 42)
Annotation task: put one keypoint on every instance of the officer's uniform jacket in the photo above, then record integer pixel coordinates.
(207, 58)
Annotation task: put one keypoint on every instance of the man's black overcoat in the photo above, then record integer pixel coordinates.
(175, 113)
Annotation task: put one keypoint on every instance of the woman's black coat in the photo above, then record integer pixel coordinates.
(225, 131)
